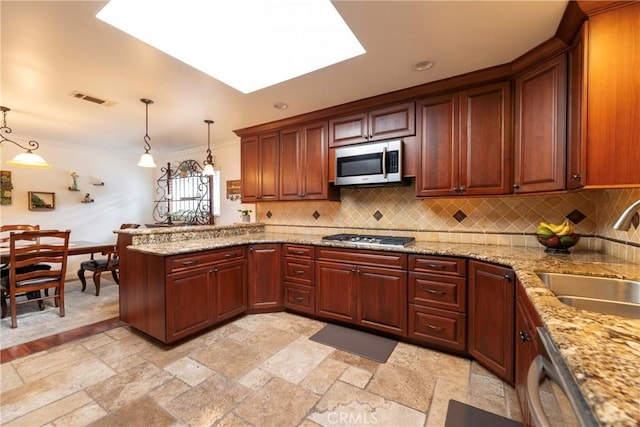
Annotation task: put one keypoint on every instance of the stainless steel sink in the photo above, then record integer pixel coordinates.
(600, 294)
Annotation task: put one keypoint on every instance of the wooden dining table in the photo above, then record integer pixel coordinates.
(79, 247)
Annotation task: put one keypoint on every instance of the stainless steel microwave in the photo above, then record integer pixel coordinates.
(374, 163)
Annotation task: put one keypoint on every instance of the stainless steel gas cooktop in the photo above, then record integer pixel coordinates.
(367, 239)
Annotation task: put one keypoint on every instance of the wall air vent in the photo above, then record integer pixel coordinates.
(95, 99)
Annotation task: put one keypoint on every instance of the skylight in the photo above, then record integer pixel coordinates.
(246, 44)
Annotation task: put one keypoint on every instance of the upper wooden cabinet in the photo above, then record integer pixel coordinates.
(304, 164)
(465, 146)
(612, 78)
(577, 125)
(259, 159)
(383, 123)
(540, 127)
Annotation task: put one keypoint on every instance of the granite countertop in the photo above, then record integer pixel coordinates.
(601, 351)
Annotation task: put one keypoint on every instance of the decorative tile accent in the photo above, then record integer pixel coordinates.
(459, 215)
(269, 214)
(377, 215)
(316, 214)
(576, 217)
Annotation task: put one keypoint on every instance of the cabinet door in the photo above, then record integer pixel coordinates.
(395, 121)
(351, 129)
(382, 299)
(491, 317)
(613, 125)
(230, 284)
(438, 173)
(336, 290)
(265, 277)
(577, 126)
(269, 170)
(540, 128)
(485, 140)
(250, 173)
(314, 173)
(291, 163)
(189, 303)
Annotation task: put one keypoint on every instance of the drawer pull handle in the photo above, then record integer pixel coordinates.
(229, 255)
(435, 292)
(435, 328)
(298, 271)
(298, 299)
(190, 262)
(298, 252)
(436, 266)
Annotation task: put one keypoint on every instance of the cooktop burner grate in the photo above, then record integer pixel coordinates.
(367, 239)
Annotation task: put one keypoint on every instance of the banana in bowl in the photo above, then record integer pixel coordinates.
(557, 238)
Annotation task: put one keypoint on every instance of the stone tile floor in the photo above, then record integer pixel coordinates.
(260, 370)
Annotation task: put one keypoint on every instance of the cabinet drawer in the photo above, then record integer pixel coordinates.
(362, 257)
(182, 262)
(438, 265)
(299, 251)
(298, 271)
(438, 291)
(445, 329)
(300, 297)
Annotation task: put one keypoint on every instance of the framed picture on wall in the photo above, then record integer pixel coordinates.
(42, 201)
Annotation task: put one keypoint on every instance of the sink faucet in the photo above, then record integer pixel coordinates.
(624, 222)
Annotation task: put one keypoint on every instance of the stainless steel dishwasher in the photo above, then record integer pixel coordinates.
(573, 407)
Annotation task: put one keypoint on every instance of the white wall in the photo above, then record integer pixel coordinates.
(126, 196)
(226, 158)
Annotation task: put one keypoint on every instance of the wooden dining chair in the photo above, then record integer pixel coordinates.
(110, 263)
(31, 248)
(5, 230)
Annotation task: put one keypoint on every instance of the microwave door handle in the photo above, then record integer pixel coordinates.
(384, 162)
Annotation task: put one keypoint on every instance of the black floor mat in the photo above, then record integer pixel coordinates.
(462, 415)
(356, 342)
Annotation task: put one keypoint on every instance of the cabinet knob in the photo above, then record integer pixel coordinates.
(515, 186)
(524, 337)
(462, 188)
(455, 189)
(508, 277)
(576, 177)
(215, 270)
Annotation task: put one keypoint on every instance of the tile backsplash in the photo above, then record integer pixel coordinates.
(509, 220)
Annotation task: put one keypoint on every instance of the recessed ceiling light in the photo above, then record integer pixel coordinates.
(249, 44)
(422, 65)
(281, 105)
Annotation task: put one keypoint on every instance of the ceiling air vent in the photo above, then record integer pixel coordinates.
(95, 99)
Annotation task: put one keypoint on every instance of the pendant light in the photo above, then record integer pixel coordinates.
(27, 159)
(146, 160)
(208, 163)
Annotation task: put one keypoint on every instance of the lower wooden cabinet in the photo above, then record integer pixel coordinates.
(490, 338)
(265, 277)
(229, 284)
(299, 278)
(190, 308)
(357, 292)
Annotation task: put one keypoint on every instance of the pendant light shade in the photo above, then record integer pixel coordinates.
(146, 160)
(27, 159)
(208, 162)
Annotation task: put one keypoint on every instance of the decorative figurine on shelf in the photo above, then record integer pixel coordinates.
(74, 187)
(87, 198)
